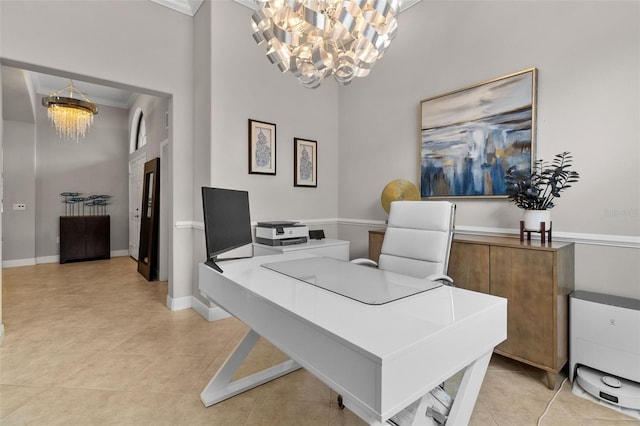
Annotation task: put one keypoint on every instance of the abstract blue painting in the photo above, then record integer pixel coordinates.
(470, 137)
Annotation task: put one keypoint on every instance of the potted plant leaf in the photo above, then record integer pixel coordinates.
(536, 191)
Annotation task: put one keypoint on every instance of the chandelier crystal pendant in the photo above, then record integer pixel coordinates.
(316, 38)
(71, 117)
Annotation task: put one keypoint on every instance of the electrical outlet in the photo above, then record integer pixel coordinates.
(19, 206)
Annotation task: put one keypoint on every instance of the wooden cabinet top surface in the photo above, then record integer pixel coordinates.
(509, 241)
(513, 242)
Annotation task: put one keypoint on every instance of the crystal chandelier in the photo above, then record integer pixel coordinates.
(70, 116)
(316, 38)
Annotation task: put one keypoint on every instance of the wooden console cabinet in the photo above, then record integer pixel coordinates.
(84, 238)
(535, 278)
(376, 236)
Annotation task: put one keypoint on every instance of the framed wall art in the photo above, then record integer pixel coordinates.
(262, 147)
(470, 137)
(305, 163)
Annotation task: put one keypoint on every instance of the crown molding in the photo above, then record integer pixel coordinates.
(188, 7)
(254, 4)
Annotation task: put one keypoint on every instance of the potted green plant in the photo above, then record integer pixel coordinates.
(536, 191)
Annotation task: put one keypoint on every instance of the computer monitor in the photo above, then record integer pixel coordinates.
(227, 224)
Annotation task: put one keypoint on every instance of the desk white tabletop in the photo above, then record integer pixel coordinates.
(380, 331)
(363, 284)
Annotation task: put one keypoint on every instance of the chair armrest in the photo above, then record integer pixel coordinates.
(366, 262)
(446, 279)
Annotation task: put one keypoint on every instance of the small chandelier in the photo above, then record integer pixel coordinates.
(71, 116)
(316, 38)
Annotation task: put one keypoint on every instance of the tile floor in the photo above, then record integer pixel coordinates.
(93, 343)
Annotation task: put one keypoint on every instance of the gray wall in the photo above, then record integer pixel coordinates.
(245, 85)
(588, 57)
(97, 164)
(38, 166)
(203, 98)
(1, 181)
(19, 187)
(156, 59)
(235, 82)
(153, 109)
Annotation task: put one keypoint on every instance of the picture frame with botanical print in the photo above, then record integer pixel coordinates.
(471, 136)
(305, 163)
(262, 147)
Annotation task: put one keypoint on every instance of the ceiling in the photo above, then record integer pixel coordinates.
(20, 86)
(190, 7)
(45, 84)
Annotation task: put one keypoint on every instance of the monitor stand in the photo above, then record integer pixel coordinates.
(210, 263)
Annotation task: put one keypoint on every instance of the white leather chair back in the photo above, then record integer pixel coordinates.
(418, 238)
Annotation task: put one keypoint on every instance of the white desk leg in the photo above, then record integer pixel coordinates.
(465, 400)
(221, 387)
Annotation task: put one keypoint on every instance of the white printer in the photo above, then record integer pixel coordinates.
(281, 233)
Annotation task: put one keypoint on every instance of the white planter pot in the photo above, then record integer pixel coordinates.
(532, 219)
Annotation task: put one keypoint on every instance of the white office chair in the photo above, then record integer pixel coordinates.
(417, 242)
(418, 239)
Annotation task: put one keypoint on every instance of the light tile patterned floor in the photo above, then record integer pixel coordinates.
(92, 343)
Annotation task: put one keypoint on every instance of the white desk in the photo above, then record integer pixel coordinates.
(380, 358)
(338, 249)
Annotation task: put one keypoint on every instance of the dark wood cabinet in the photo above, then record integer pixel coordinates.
(84, 238)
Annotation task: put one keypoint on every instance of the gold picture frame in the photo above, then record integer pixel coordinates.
(471, 136)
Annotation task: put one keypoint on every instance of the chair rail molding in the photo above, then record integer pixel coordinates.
(624, 241)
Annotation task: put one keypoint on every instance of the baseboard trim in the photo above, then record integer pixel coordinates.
(210, 314)
(18, 262)
(178, 303)
(49, 259)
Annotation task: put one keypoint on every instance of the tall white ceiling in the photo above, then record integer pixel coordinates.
(254, 4)
(45, 84)
(190, 7)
